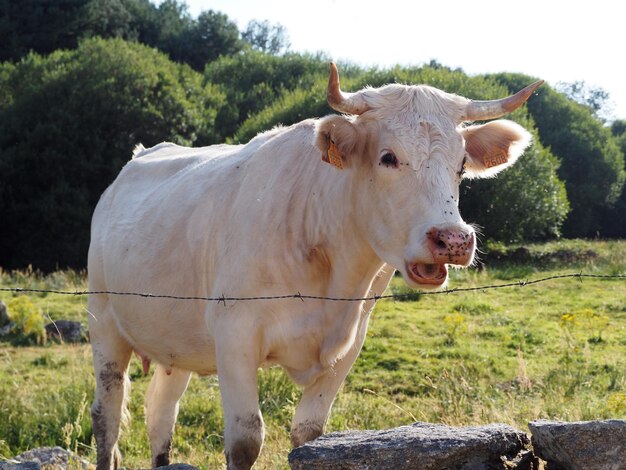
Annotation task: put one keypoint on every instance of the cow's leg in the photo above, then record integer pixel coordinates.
(244, 431)
(111, 355)
(317, 399)
(164, 392)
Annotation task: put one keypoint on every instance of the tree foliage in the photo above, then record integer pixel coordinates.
(73, 108)
(592, 164)
(254, 80)
(266, 37)
(62, 144)
(44, 26)
(613, 219)
(595, 99)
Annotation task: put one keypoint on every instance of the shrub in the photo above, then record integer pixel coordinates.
(28, 323)
(69, 123)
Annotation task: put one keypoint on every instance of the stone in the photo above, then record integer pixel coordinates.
(4, 315)
(9, 465)
(588, 445)
(6, 329)
(52, 458)
(67, 331)
(179, 466)
(421, 445)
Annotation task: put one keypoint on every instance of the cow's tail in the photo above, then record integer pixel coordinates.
(138, 150)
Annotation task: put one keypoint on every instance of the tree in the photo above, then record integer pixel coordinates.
(595, 99)
(592, 164)
(267, 37)
(212, 35)
(107, 19)
(613, 219)
(69, 122)
(44, 26)
(253, 80)
(38, 25)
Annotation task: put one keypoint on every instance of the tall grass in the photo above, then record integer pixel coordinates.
(554, 350)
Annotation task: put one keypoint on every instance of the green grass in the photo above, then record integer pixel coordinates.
(554, 350)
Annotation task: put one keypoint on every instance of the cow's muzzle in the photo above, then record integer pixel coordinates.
(451, 245)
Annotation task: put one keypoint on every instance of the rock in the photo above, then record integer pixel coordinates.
(4, 315)
(19, 466)
(179, 466)
(68, 331)
(6, 329)
(51, 458)
(588, 445)
(421, 445)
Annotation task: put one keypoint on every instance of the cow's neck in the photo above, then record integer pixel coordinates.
(331, 227)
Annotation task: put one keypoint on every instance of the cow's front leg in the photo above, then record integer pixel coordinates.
(237, 367)
(317, 399)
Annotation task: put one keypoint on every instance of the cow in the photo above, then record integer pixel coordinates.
(328, 208)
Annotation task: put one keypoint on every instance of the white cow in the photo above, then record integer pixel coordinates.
(328, 207)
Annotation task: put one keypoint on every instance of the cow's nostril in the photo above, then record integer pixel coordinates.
(441, 244)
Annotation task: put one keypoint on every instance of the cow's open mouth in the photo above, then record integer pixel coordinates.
(425, 273)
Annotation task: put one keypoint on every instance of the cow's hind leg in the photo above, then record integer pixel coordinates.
(244, 430)
(111, 355)
(164, 392)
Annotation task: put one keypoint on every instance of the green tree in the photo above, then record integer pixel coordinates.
(69, 122)
(38, 25)
(212, 35)
(253, 80)
(44, 26)
(613, 219)
(106, 18)
(592, 164)
(596, 99)
(267, 37)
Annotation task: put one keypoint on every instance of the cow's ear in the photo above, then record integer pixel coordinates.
(337, 138)
(492, 147)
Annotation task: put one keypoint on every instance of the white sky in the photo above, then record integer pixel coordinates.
(554, 40)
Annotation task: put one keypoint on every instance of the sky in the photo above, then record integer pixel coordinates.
(555, 40)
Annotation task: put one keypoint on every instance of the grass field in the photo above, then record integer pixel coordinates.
(554, 350)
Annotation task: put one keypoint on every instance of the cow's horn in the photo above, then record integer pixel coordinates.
(349, 103)
(483, 110)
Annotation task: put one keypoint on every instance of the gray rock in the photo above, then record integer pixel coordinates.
(4, 315)
(588, 445)
(66, 330)
(179, 466)
(421, 446)
(9, 465)
(52, 458)
(6, 329)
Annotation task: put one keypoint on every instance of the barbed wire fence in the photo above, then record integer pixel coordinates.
(303, 297)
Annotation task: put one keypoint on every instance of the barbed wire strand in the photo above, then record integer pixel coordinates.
(303, 297)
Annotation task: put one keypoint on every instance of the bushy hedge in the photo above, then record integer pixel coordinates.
(69, 122)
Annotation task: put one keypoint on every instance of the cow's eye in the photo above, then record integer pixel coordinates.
(389, 159)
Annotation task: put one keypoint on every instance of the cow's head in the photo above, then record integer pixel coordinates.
(409, 149)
